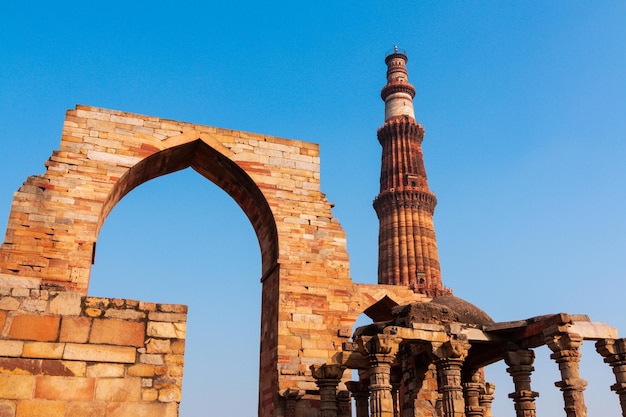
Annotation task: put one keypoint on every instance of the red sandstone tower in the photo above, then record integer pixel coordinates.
(407, 247)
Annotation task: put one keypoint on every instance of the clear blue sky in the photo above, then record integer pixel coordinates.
(524, 105)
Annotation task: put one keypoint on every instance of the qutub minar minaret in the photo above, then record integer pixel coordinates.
(407, 247)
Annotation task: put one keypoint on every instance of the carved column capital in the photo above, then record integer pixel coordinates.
(327, 377)
(566, 352)
(614, 353)
(381, 349)
(449, 357)
(327, 371)
(291, 396)
(486, 398)
(520, 362)
(455, 349)
(380, 345)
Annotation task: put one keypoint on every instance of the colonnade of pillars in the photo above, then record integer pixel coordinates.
(462, 393)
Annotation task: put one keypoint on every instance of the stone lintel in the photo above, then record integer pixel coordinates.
(594, 330)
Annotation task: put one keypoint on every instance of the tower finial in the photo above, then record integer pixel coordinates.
(395, 48)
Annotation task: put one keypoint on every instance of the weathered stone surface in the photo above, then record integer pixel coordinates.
(43, 350)
(145, 370)
(117, 332)
(141, 410)
(11, 347)
(86, 409)
(16, 387)
(75, 329)
(19, 366)
(9, 303)
(166, 330)
(64, 388)
(34, 327)
(105, 370)
(99, 353)
(118, 389)
(41, 408)
(7, 409)
(66, 303)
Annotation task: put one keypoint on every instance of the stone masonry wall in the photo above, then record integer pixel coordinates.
(65, 355)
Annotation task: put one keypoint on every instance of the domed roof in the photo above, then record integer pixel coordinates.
(441, 310)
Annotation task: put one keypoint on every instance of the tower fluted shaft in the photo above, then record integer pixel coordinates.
(407, 247)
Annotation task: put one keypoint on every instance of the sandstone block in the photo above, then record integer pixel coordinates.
(172, 308)
(174, 359)
(117, 332)
(66, 304)
(9, 303)
(7, 409)
(41, 408)
(169, 395)
(93, 312)
(19, 366)
(62, 368)
(149, 394)
(105, 370)
(64, 388)
(43, 350)
(161, 329)
(16, 387)
(124, 314)
(142, 410)
(75, 329)
(151, 359)
(34, 327)
(118, 389)
(168, 317)
(11, 347)
(178, 347)
(158, 346)
(99, 353)
(141, 369)
(86, 409)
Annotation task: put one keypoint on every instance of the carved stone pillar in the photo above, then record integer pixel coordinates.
(486, 398)
(614, 353)
(520, 362)
(472, 389)
(291, 397)
(381, 350)
(327, 378)
(396, 380)
(360, 392)
(449, 357)
(566, 348)
(344, 404)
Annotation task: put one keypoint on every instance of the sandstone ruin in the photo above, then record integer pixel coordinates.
(64, 353)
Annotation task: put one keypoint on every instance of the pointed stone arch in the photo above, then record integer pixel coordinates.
(217, 168)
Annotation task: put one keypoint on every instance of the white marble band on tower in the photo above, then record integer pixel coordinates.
(398, 93)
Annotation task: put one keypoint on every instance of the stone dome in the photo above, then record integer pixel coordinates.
(441, 310)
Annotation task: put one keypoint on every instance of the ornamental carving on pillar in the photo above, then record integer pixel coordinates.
(614, 353)
(449, 357)
(566, 353)
(520, 362)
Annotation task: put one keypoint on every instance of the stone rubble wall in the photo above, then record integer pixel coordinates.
(63, 354)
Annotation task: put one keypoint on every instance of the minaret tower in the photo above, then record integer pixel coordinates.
(407, 247)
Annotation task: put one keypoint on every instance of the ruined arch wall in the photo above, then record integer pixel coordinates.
(309, 302)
